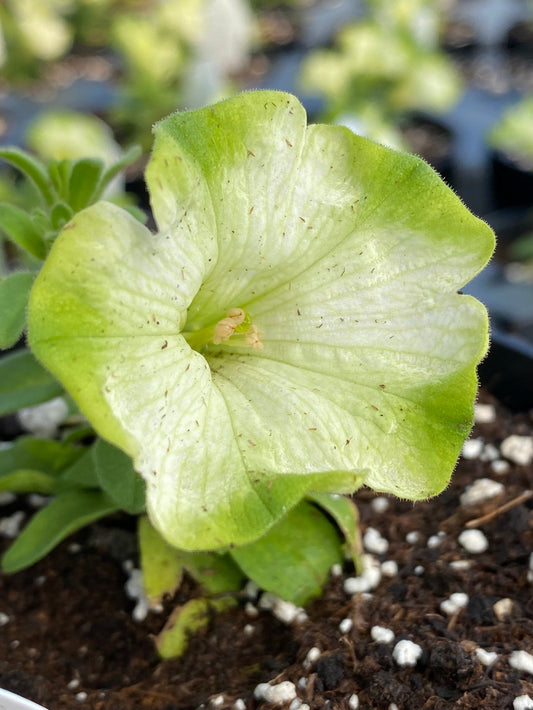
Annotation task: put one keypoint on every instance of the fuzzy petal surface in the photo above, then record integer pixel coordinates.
(347, 257)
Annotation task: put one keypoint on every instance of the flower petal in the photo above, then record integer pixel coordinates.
(105, 317)
(345, 255)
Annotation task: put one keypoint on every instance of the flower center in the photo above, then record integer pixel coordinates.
(235, 329)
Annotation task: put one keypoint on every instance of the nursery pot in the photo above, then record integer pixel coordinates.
(10, 701)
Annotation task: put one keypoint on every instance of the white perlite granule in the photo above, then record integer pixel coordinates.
(380, 504)
(412, 537)
(44, 419)
(374, 542)
(353, 702)
(368, 580)
(389, 568)
(10, 526)
(283, 692)
(406, 653)
(483, 489)
(81, 696)
(455, 602)
(472, 448)
(134, 589)
(312, 657)
(380, 634)
(523, 702)
(486, 658)
(239, 704)
(521, 661)
(6, 497)
(345, 626)
(460, 564)
(503, 608)
(489, 453)
(518, 449)
(500, 467)
(217, 701)
(251, 589)
(4, 618)
(298, 704)
(287, 612)
(484, 413)
(251, 610)
(473, 541)
(435, 540)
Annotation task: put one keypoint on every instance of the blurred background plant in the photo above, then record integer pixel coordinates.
(513, 133)
(158, 54)
(384, 67)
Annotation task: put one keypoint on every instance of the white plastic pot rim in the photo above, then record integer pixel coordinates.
(10, 701)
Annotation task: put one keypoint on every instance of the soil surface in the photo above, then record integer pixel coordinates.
(68, 639)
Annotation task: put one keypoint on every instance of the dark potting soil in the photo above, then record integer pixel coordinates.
(68, 640)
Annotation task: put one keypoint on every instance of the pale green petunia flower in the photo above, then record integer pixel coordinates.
(293, 327)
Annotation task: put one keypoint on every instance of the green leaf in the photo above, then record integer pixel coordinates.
(23, 382)
(19, 227)
(59, 171)
(294, 558)
(32, 168)
(84, 180)
(129, 157)
(27, 481)
(139, 214)
(67, 513)
(83, 472)
(161, 564)
(41, 220)
(44, 455)
(344, 511)
(215, 572)
(344, 257)
(117, 477)
(60, 215)
(14, 292)
(186, 620)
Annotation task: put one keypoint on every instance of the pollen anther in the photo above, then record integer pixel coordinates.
(253, 338)
(238, 322)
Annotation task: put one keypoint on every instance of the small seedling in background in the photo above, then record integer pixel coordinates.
(383, 68)
(61, 188)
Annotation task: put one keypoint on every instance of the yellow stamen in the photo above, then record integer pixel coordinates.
(225, 328)
(253, 338)
(236, 326)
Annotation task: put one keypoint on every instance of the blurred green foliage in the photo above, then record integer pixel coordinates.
(383, 67)
(513, 134)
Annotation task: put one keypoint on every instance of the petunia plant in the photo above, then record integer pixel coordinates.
(292, 331)
(384, 68)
